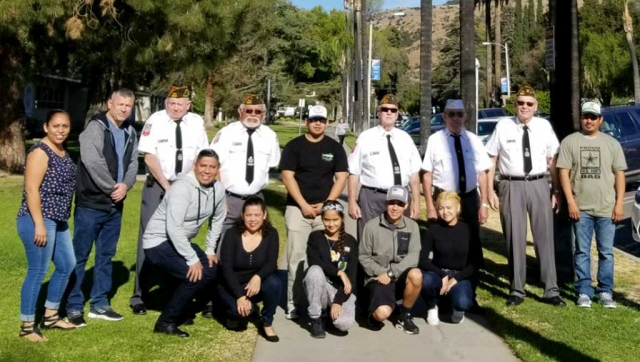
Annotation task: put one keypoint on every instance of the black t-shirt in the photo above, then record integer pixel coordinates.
(314, 164)
(452, 248)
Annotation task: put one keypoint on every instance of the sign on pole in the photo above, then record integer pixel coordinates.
(503, 85)
(376, 69)
(550, 51)
(301, 103)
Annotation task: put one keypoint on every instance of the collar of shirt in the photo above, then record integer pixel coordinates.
(244, 129)
(448, 133)
(532, 124)
(385, 223)
(383, 132)
(185, 118)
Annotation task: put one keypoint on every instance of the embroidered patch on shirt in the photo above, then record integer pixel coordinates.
(147, 129)
(215, 140)
(327, 157)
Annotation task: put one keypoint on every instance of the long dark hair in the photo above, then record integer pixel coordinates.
(254, 201)
(342, 234)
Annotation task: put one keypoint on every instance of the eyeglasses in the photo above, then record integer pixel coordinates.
(458, 114)
(590, 116)
(321, 120)
(529, 104)
(386, 109)
(257, 112)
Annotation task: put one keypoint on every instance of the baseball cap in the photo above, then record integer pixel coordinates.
(398, 193)
(317, 112)
(591, 108)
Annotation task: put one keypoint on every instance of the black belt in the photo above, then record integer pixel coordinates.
(438, 190)
(522, 178)
(241, 197)
(380, 191)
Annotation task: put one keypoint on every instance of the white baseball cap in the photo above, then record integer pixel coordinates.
(591, 108)
(317, 112)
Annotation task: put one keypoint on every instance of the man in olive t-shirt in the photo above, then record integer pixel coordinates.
(592, 167)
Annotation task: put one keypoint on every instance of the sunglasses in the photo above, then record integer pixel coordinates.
(458, 114)
(321, 120)
(386, 109)
(529, 104)
(257, 112)
(590, 116)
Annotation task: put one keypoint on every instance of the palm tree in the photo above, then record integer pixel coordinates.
(426, 24)
(628, 29)
(468, 62)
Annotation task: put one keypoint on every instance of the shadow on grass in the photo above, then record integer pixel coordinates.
(276, 200)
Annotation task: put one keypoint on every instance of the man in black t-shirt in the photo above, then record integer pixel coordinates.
(314, 169)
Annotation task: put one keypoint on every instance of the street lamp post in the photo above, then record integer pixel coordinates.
(506, 52)
(477, 79)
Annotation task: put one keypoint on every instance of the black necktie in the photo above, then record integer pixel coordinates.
(526, 150)
(248, 176)
(462, 179)
(397, 178)
(178, 147)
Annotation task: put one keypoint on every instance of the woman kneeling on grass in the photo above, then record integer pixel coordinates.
(49, 181)
(333, 260)
(248, 258)
(449, 272)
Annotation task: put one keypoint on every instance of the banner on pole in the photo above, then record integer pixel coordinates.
(376, 69)
(503, 85)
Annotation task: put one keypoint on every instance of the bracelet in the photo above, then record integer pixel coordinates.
(484, 204)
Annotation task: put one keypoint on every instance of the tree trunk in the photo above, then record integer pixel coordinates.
(627, 22)
(208, 101)
(12, 120)
(468, 62)
(489, 92)
(497, 48)
(364, 39)
(426, 25)
(357, 104)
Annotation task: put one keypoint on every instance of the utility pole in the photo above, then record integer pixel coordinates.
(357, 47)
(426, 25)
(366, 88)
(468, 62)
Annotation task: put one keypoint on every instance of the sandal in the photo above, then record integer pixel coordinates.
(50, 322)
(31, 330)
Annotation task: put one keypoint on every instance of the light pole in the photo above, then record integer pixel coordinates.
(477, 78)
(368, 112)
(506, 52)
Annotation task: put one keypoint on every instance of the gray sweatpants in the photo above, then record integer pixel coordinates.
(298, 230)
(320, 295)
(517, 198)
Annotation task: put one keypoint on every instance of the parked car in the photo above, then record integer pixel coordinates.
(623, 123)
(635, 218)
(492, 113)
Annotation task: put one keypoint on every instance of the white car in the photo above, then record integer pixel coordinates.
(635, 218)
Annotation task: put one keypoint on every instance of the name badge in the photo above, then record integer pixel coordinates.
(236, 144)
(374, 153)
(511, 141)
(163, 141)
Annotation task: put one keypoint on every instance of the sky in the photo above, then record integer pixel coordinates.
(339, 4)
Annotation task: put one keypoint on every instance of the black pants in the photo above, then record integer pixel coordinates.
(165, 257)
(341, 139)
(270, 292)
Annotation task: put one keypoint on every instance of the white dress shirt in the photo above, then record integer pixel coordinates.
(231, 145)
(440, 159)
(506, 143)
(159, 138)
(371, 161)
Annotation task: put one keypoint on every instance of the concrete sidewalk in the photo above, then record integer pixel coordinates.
(472, 340)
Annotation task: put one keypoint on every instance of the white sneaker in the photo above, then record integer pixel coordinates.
(606, 300)
(583, 301)
(432, 316)
(292, 314)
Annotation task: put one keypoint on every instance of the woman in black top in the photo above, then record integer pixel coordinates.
(332, 255)
(449, 272)
(248, 260)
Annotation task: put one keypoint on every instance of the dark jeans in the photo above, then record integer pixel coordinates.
(461, 294)
(103, 227)
(270, 292)
(165, 257)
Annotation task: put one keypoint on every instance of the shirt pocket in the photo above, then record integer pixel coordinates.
(402, 243)
(371, 161)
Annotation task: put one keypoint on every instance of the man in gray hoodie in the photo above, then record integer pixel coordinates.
(193, 199)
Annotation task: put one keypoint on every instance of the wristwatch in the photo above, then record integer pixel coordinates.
(390, 274)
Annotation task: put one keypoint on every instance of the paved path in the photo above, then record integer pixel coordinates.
(471, 340)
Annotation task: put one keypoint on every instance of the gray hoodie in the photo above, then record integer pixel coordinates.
(183, 210)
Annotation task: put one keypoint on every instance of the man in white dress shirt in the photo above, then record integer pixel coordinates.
(457, 161)
(169, 141)
(526, 147)
(247, 150)
(383, 156)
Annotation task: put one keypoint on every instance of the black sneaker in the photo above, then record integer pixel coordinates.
(317, 331)
(76, 318)
(207, 312)
(374, 324)
(405, 323)
(106, 313)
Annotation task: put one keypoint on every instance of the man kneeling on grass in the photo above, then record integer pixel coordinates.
(193, 199)
(389, 254)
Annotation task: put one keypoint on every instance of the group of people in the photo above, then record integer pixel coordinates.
(381, 271)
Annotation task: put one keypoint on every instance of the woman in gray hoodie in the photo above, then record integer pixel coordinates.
(193, 199)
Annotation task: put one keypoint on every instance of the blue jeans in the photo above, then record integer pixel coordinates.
(461, 294)
(103, 227)
(583, 233)
(165, 257)
(270, 292)
(58, 248)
